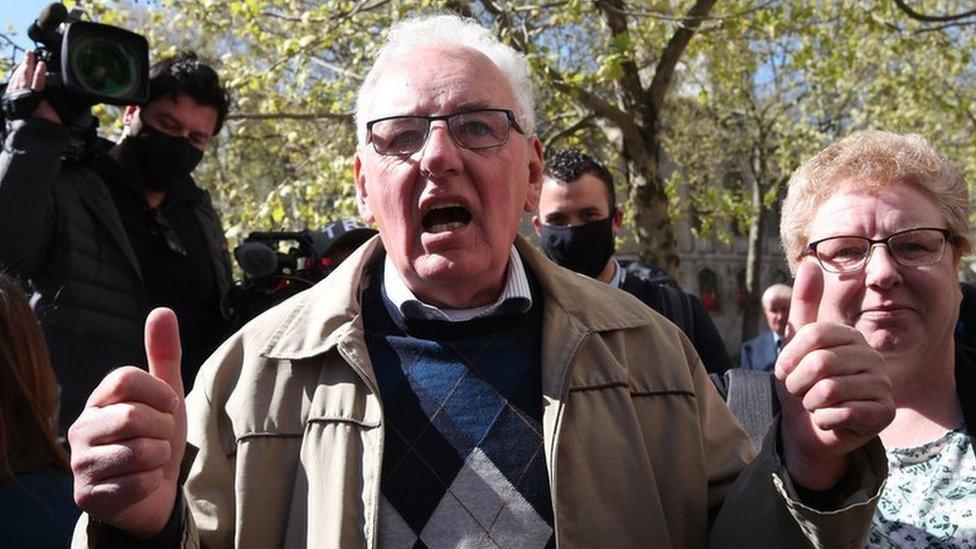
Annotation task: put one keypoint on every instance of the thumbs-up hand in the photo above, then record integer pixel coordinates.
(834, 393)
(127, 445)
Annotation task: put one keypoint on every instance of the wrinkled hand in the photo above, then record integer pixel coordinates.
(834, 392)
(30, 76)
(129, 441)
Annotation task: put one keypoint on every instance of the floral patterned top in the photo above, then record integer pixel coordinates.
(930, 497)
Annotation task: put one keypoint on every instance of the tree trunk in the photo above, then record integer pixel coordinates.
(752, 304)
(652, 223)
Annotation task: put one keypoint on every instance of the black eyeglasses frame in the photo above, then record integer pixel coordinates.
(512, 120)
(811, 248)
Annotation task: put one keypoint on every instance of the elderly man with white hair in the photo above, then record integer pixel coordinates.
(760, 352)
(449, 386)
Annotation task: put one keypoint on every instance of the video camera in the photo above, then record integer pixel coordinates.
(87, 64)
(273, 273)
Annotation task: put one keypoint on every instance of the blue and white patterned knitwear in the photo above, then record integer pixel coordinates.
(463, 459)
(930, 497)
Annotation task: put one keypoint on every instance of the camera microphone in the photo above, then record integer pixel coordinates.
(256, 259)
(43, 28)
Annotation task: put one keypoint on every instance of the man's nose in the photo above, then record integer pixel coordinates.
(440, 155)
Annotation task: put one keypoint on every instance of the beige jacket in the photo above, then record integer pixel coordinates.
(640, 447)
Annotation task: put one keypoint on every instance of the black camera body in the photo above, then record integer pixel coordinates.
(87, 64)
(272, 275)
(279, 264)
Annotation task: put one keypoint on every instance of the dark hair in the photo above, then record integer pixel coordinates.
(28, 390)
(568, 165)
(184, 73)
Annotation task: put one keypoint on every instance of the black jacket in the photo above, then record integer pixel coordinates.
(62, 232)
(966, 387)
(684, 310)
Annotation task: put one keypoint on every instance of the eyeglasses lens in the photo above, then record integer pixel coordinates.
(405, 135)
(480, 129)
(396, 136)
(915, 248)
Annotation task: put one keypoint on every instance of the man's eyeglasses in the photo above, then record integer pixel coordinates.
(910, 248)
(474, 129)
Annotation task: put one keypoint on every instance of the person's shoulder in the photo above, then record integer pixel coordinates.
(647, 272)
(300, 324)
(594, 301)
(757, 340)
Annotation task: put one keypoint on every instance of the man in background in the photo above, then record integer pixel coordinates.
(104, 239)
(577, 222)
(760, 352)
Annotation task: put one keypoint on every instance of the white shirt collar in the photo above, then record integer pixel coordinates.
(516, 296)
(618, 275)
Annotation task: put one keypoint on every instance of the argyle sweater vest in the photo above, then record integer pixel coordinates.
(463, 460)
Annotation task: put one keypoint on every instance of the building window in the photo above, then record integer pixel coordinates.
(708, 289)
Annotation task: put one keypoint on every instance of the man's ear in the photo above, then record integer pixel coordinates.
(362, 197)
(618, 220)
(535, 175)
(537, 223)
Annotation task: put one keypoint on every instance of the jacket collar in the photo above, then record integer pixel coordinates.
(595, 306)
(330, 311)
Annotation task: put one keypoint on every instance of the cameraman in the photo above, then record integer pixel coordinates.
(104, 240)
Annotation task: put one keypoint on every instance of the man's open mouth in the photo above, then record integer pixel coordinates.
(446, 217)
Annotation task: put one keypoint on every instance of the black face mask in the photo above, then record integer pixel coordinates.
(163, 160)
(584, 248)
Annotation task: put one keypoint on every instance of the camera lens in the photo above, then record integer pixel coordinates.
(105, 67)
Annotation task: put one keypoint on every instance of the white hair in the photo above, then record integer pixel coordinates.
(776, 291)
(451, 30)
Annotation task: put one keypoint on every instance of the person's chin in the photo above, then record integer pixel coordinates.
(451, 265)
(893, 343)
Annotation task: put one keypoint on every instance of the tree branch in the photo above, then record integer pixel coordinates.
(661, 16)
(629, 89)
(594, 102)
(341, 116)
(932, 18)
(533, 7)
(335, 68)
(579, 125)
(11, 42)
(664, 72)
(945, 26)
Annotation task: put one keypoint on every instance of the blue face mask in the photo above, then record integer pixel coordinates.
(583, 248)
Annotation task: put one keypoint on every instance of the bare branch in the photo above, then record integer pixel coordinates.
(11, 42)
(582, 123)
(533, 7)
(340, 116)
(918, 16)
(947, 26)
(336, 69)
(661, 16)
(672, 53)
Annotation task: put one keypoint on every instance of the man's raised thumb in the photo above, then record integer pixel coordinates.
(163, 347)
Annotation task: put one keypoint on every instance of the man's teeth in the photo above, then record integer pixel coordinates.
(446, 205)
(441, 227)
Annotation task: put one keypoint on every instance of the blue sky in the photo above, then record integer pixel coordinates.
(17, 15)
